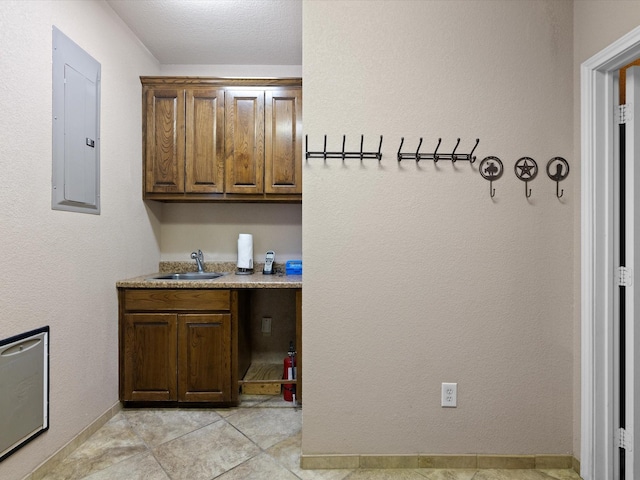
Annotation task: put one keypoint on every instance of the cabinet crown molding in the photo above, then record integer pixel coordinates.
(221, 81)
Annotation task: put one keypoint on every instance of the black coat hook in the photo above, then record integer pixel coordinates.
(453, 154)
(324, 148)
(418, 150)
(400, 149)
(526, 170)
(561, 172)
(435, 152)
(471, 157)
(491, 169)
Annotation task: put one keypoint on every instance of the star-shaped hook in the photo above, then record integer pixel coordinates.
(526, 168)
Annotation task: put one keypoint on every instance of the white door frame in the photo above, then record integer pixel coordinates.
(597, 259)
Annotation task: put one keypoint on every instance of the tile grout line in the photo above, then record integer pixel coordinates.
(262, 450)
(220, 418)
(149, 449)
(135, 432)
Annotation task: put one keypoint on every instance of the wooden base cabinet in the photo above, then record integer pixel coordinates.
(178, 345)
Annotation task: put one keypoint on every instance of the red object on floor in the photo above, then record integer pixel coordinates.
(289, 374)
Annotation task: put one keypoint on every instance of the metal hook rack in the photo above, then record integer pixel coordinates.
(342, 154)
(435, 156)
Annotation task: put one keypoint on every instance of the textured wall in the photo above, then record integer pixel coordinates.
(60, 268)
(431, 280)
(214, 229)
(250, 71)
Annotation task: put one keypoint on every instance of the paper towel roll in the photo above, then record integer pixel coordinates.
(245, 250)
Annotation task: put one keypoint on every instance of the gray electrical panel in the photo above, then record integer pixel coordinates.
(76, 128)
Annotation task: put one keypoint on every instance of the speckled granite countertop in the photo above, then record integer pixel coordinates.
(229, 280)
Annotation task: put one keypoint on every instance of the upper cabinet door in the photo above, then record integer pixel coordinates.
(204, 141)
(244, 141)
(283, 139)
(164, 142)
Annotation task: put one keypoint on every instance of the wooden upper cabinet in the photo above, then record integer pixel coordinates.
(204, 158)
(283, 130)
(164, 141)
(244, 141)
(217, 139)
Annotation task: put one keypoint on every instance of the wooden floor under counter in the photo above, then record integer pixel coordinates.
(263, 371)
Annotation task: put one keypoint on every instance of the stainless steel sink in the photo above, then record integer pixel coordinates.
(188, 276)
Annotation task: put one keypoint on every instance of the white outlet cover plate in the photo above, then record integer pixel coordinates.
(266, 325)
(449, 395)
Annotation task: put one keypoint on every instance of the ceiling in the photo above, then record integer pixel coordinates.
(217, 32)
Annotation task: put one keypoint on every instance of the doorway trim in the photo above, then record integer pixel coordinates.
(597, 258)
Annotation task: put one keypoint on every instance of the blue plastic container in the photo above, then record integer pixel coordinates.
(294, 267)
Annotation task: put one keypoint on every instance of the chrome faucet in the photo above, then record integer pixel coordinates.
(199, 258)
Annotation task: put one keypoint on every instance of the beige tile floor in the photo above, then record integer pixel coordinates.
(258, 441)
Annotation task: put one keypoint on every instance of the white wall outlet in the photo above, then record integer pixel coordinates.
(266, 326)
(449, 394)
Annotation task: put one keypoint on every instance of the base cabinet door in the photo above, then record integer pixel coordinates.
(150, 354)
(204, 357)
